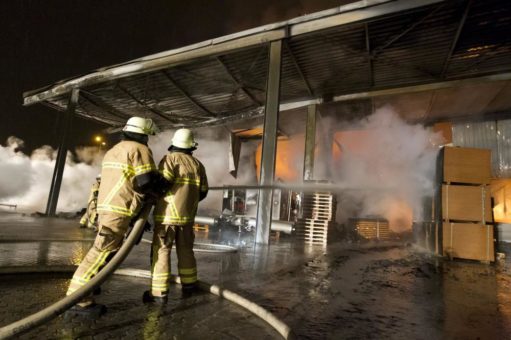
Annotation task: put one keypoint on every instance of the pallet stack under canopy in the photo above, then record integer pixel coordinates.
(464, 220)
(318, 216)
(370, 228)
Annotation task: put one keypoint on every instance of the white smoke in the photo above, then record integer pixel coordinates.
(389, 173)
(25, 180)
(390, 168)
(213, 152)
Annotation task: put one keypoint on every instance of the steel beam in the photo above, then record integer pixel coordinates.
(100, 104)
(400, 90)
(369, 55)
(377, 9)
(456, 38)
(60, 163)
(237, 82)
(85, 115)
(185, 94)
(298, 69)
(485, 117)
(407, 30)
(258, 112)
(141, 103)
(269, 148)
(310, 143)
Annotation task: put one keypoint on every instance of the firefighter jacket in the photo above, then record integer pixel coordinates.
(89, 218)
(94, 190)
(189, 185)
(124, 166)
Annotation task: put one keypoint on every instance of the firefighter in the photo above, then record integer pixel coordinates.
(128, 177)
(174, 217)
(90, 217)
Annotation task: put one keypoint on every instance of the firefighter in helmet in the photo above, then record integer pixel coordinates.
(129, 178)
(174, 216)
(90, 217)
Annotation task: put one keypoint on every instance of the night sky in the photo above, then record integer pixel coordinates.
(45, 41)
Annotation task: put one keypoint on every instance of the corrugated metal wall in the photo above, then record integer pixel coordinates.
(494, 135)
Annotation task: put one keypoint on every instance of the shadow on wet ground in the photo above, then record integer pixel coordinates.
(343, 291)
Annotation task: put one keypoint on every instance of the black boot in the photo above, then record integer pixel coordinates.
(150, 298)
(94, 311)
(189, 289)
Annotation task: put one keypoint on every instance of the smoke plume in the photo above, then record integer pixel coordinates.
(388, 165)
(25, 180)
(381, 165)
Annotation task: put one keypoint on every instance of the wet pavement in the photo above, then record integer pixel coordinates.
(344, 291)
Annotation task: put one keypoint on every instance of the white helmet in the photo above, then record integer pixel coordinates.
(141, 125)
(98, 177)
(183, 138)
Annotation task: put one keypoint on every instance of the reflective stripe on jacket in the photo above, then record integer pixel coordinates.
(121, 164)
(188, 178)
(93, 196)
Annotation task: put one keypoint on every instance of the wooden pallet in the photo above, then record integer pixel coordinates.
(318, 211)
(371, 229)
(313, 231)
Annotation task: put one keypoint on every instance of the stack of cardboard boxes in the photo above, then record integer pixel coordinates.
(464, 219)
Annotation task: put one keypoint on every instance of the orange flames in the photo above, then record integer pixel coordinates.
(289, 168)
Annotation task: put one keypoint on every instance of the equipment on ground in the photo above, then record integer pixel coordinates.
(242, 223)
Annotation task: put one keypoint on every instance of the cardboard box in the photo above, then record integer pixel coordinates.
(466, 165)
(466, 203)
(469, 241)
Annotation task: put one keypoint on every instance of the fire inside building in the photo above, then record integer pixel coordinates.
(358, 166)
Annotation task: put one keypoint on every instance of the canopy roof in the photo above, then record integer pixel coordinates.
(350, 52)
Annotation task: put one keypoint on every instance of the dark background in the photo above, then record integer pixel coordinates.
(43, 41)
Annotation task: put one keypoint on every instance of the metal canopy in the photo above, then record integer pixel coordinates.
(363, 47)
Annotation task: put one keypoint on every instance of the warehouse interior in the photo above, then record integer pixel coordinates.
(358, 158)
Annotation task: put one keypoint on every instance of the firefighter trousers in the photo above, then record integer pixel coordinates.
(111, 234)
(163, 239)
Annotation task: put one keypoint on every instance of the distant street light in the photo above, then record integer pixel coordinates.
(99, 140)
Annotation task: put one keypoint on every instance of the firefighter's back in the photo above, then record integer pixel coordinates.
(187, 175)
(120, 164)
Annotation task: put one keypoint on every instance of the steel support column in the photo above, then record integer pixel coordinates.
(56, 181)
(269, 148)
(310, 143)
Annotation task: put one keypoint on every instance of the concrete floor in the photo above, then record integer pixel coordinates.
(370, 291)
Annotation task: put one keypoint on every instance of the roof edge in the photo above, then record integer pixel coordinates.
(347, 14)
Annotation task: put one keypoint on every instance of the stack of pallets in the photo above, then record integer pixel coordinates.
(463, 209)
(371, 228)
(318, 215)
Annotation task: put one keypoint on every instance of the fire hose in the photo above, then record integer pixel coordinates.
(49, 313)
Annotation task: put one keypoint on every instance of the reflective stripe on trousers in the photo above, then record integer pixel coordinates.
(163, 239)
(106, 244)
